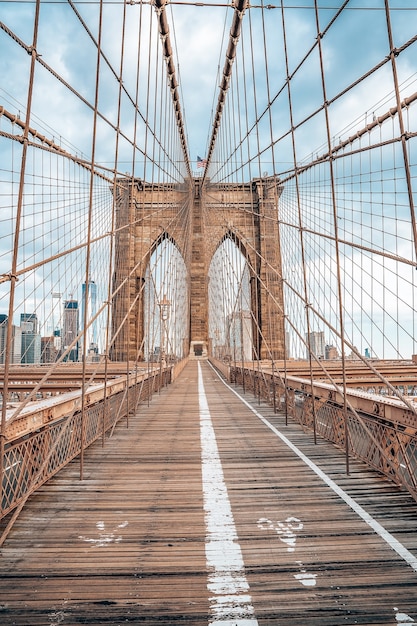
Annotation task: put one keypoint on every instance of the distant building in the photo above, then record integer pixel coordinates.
(3, 336)
(70, 326)
(16, 344)
(89, 307)
(31, 348)
(316, 344)
(16, 340)
(353, 356)
(155, 356)
(239, 335)
(57, 340)
(30, 338)
(29, 322)
(331, 353)
(49, 353)
(221, 352)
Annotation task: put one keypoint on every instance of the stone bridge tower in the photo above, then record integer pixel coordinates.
(147, 213)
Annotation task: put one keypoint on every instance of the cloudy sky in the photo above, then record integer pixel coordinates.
(67, 48)
(353, 43)
(199, 36)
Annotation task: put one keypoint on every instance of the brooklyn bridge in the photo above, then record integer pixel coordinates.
(208, 326)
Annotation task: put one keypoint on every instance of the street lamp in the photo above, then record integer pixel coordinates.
(164, 305)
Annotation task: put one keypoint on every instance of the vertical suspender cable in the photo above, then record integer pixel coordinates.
(240, 7)
(13, 277)
(298, 199)
(336, 231)
(172, 79)
(88, 250)
(392, 55)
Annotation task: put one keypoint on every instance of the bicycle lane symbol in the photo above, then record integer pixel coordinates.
(287, 533)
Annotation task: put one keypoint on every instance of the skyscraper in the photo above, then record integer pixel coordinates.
(31, 339)
(29, 322)
(16, 340)
(316, 344)
(3, 335)
(70, 329)
(89, 305)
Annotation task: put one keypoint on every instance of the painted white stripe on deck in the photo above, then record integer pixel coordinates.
(230, 601)
(396, 545)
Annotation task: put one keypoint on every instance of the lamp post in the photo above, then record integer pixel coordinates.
(164, 305)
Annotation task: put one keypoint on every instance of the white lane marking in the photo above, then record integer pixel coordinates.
(396, 545)
(230, 602)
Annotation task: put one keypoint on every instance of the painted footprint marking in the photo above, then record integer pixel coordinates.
(305, 578)
(104, 538)
(403, 618)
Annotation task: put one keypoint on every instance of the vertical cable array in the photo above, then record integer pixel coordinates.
(307, 199)
(71, 221)
(337, 148)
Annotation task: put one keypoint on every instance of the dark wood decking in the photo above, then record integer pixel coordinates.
(127, 544)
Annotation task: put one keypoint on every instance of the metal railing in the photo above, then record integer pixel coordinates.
(30, 460)
(386, 441)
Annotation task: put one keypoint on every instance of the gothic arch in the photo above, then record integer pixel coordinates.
(206, 215)
(165, 300)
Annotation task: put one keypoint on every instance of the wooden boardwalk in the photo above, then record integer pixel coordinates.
(152, 535)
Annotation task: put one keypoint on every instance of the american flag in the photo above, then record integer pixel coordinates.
(201, 162)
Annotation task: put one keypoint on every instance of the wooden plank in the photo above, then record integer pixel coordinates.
(127, 544)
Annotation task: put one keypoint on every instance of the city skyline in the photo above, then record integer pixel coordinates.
(35, 343)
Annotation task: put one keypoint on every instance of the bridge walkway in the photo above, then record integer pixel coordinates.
(203, 511)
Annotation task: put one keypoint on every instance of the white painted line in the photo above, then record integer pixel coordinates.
(397, 546)
(230, 602)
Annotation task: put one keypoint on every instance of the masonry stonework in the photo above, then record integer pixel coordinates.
(197, 220)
